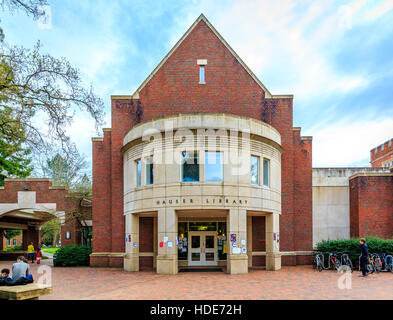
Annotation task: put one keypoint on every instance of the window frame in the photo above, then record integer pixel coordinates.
(202, 74)
(195, 152)
(147, 164)
(268, 171)
(138, 161)
(222, 166)
(258, 170)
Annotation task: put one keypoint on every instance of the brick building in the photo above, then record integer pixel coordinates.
(188, 210)
(26, 204)
(382, 156)
(12, 242)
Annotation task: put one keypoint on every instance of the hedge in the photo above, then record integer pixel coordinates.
(72, 256)
(352, 247)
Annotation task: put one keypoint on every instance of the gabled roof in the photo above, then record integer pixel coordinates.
(135, 95)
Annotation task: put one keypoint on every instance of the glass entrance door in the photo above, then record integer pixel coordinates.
(203, 248)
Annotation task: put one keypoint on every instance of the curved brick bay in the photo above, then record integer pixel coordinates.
(301, 282)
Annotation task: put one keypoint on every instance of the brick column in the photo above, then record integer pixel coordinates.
(273, 256)
(1, 240)
(32, 234)
(166, 255)
(131, 259)
(237, 263)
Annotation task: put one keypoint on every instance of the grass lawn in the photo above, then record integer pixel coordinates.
(50, 250)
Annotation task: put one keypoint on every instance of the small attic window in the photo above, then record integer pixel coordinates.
(202, 64)
(202, 74)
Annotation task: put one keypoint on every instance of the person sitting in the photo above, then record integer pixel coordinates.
(5, 277)
(7, 280)
(20, 268)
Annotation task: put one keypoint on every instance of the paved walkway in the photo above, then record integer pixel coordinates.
(300, 282)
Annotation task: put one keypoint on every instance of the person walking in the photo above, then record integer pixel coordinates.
(364, 258)
(38, 255)
(30, 252)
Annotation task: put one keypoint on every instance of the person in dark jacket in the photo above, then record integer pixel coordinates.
(7, 280)
(364, 258)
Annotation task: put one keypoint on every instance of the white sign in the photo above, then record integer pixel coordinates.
(236, 250)
(243, 242)
(170, 244)
(165, 239)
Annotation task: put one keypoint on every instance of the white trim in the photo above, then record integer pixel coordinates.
(202, 62)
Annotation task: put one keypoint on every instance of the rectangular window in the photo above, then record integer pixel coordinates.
(8, 242)
(149, 171)
(266, 172)
(201, 74)
(254, 170)
(14, 242)
(213, 167)
(138, 169)
(190, 166)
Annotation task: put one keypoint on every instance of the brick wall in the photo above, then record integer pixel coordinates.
(175, 89)
(371, 206)
(382, 154)
(45, 193)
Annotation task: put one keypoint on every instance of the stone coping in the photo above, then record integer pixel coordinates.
(372, 174)
(108, 254)
(284, 253)
(26, 292)
(205, 121)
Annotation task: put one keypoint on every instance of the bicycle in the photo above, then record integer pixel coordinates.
(346, 261)
(318, 261)
(376, 262)
(369, 265)
(386, 262)
(334, 263)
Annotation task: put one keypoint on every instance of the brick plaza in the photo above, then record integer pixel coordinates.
(289, 283)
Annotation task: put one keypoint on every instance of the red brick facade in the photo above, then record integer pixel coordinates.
(175, 89)
(382, 156)
(45, 193)
(371, 205)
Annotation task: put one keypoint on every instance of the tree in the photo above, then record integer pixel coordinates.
(36, 87)
(30, 7)
(9, 234)
(67, 170)
(50, 232)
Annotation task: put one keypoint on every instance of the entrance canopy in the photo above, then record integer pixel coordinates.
(26, 204)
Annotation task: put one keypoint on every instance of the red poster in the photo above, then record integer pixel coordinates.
(161, 244)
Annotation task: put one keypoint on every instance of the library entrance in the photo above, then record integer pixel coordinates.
(202, 243)
(203, 249)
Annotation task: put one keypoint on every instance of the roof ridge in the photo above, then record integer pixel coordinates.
(201, 17)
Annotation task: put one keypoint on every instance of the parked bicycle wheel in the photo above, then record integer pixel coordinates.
(349, 264)
(377, 264)
(370, 267)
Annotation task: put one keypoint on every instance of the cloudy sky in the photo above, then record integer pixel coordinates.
(335, 57)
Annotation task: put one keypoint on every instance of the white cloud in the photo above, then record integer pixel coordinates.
(349, 141)
(380, 10)
(289, 44)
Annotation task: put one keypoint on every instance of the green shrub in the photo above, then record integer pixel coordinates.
(73, 256)
(16, 248)
(352, 247)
